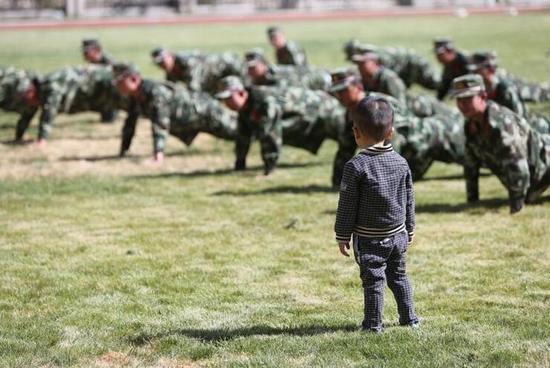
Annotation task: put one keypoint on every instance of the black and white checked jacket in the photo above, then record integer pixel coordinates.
(376, 195)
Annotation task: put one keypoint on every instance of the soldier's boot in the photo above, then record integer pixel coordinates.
(536, 190)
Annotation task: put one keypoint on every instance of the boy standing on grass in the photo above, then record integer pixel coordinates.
(376, 205)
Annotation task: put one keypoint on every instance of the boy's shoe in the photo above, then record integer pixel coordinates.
(414, 324)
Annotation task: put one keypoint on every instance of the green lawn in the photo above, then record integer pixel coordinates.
(114, 263)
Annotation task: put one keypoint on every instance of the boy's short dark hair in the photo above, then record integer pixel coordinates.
(373, 116)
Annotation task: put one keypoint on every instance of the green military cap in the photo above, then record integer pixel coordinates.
(227, 86)
(90, 42)
(442, 44)
(124, 69)
(467, 85)
(271, 31)
(481, 59)
(351, 47)
(158, 54)
(254, 56)
(341, 78)
(365, 52)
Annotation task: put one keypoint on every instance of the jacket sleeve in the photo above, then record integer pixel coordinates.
(346, 213)
(160, 119)
(410, 221)
(471, 174)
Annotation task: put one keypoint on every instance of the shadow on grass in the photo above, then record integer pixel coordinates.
(127, 156)
(492, 203)
(216, 335)
(220, 172)
(308, 189)
(451, 177)
(12, 142)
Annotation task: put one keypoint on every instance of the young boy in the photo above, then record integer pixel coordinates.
(376, 205)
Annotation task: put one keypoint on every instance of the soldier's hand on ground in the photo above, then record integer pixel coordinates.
(344, 247)
(240, 165)
(157, 160)
(40, 144)
(516, 205)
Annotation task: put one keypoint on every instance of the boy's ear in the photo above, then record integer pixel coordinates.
(389, 135)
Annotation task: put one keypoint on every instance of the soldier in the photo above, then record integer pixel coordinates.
(19, 93)
(172, 109)
(263, 74)
(420, 140)
(377, 78)
(200, 72)
(73, 90)
(411, 67)
(455, 64)
(503, 141)
(287, 52)
(497, 88)
(94, 54)
(295, 116)
(528, 91)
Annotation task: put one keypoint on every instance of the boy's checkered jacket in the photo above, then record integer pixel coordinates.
(376, 195)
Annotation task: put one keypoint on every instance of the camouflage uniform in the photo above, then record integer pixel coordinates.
(173, 109)
(291, 54)
(73, 90)
(296, 116)
(425, 105)
(389, 83)
(291, 76)
(458, 67)
(202, 72)
(517, 154)
(528, 91)
(409, 66)
(13, 86)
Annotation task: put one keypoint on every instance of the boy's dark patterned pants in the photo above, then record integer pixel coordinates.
(383, 259)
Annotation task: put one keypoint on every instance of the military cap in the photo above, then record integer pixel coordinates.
(484, 58)
(227, 86)
(158, 54)
(467, 85)
(351, 48)
(90, 42)
(254, 56)
(271, 31)
(341, 78)
(124, 69)
(442, 44)
(364, 53)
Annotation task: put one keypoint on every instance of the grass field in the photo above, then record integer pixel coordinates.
(114, 263)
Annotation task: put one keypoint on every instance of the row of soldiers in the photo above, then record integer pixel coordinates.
(288, 103)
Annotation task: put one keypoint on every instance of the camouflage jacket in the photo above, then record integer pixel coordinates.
(517, 154)
(411, 67)
(76, 89)
(505, 93)
(388, 82)
(13, 85)
(291, 54)
(173, 109)
(458, 67)
(105, 60)
(528, 91)
(202, 72)
(426, 105)
(293, 76)
(301, 117)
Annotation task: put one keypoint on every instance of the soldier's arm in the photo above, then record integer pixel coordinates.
(471, 174)
(129, 129)
(444, 87)
(512, 150)
(242, 143)
(271, 134)
(50, 107)
(23, 124)
(410, 215)
(513, 101)
(397, 89)
(297, 54)
(160, 119)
